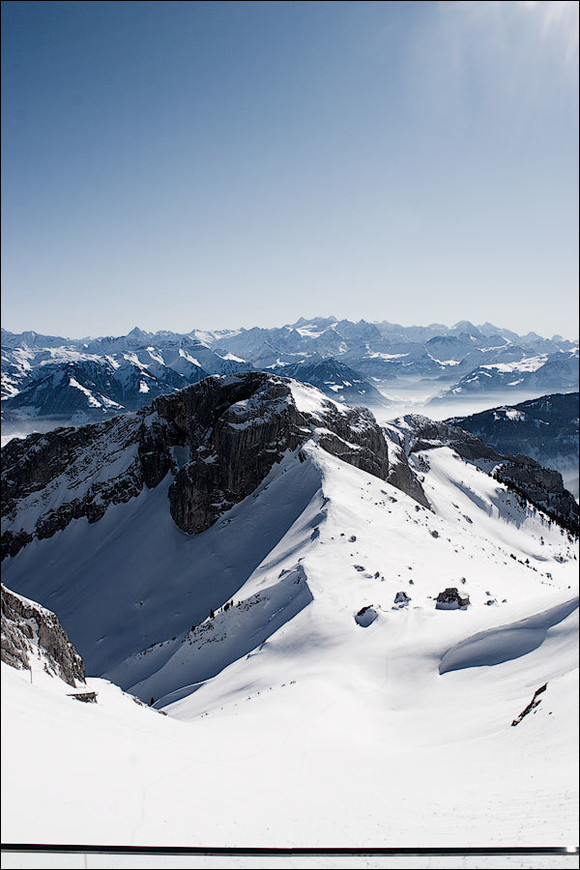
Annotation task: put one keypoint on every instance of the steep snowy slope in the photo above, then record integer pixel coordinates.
(316, 703)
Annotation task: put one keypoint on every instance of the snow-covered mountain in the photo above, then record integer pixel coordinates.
(87, 379)
(543, 373)
(338, 656)
(335, 379)
(545, 429)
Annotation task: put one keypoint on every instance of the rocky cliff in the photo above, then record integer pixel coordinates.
(29, 632)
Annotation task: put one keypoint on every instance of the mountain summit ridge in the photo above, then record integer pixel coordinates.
(219, 438)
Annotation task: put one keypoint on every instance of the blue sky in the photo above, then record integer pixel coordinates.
(175, 165)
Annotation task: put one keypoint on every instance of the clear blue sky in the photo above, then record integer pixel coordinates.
(204, 164)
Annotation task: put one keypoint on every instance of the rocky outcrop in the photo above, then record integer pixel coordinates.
(401, 475)
(50, 479)
(219, 439)
(30, 631)
(535, 702)
(235, 431)
(237, 428)
(430, 433)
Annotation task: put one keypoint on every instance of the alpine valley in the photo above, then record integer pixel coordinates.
(250, 604)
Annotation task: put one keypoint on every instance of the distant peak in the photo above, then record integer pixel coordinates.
(466, 326)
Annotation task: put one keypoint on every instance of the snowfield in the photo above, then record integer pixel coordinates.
(288, 722)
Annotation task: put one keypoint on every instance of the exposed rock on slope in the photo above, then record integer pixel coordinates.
(31, 631)
(541, 486)
(219, 438)
(50, 479)
(401, 474)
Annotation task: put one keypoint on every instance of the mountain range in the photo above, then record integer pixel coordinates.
(78, 380)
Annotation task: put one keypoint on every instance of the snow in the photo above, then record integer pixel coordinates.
(308, 332)
(509, 414)
(155, 355)
(445, 362)
(232, 357)
(189, 358)
(531, 364)
(288, 723)
(92, 401)
(508, 642)
(311, 401)
(378, 355)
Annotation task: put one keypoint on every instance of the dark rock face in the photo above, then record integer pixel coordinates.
(29, 464)
(541, 486)
(430, 433)
(219, 438)
(238, 428)
(33, 469)
(28, 629)
(401, 475)
(235, 432)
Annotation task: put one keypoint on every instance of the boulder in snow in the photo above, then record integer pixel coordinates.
(450, 599)
(402, 599)
(366, 616)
